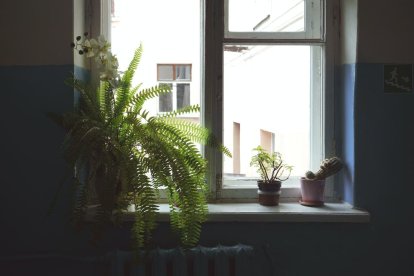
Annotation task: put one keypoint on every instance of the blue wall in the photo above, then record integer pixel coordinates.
(31, 156)
(344, 130)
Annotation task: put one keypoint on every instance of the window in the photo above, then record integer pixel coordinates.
(259, 69)
(177, 77)
(270, 76)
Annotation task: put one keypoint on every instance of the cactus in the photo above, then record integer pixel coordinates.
(328, 167)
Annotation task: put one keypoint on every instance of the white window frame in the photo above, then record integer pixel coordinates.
(174, 81)
(314, 30)
(174, 93)
(215, 36)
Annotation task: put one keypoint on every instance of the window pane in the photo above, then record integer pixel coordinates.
(267, 15)
(183, 72)
(267, 94)
(183, 95)
(166, 100)
(165, 72)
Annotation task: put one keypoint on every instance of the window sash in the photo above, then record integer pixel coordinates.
(314, 29)
(322, 99)
(249, 185)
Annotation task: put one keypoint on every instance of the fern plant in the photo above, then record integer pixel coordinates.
(127, 155)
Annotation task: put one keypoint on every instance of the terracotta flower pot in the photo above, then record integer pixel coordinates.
(312, 192)
(269, 192)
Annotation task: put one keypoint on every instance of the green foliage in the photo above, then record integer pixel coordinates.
(270, 166)
(128, 155)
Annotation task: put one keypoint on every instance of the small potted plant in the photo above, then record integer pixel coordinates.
(273, 171)
(313, 184)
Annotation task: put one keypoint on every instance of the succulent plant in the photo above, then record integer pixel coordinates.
(328, 167)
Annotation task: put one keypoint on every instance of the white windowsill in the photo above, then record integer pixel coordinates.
(284, 212)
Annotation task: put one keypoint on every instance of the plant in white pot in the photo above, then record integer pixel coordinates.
(273, 171)
(313, 184)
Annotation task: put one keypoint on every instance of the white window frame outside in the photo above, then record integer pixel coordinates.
(174, 82)
(215, 36)
(174, 93)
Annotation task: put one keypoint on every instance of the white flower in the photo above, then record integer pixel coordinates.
(103, 43)
(90, 51)
(94, 44)
(106, 61)
(110, 67)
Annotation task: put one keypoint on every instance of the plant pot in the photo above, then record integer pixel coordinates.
(269, 192)
(312, 192)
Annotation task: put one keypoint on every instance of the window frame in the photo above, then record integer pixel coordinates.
(214, 37)
(217, 35)
(309, 34)
(174, 83)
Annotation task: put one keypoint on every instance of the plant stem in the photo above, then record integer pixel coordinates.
(262, 167)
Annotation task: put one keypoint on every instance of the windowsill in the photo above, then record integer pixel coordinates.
(284, 212)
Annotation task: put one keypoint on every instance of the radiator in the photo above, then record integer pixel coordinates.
(198, 261)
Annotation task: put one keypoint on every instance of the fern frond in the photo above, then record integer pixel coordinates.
(79, 204)
(123, 100)
(106, 100)
(87, 101)
(139, 99)
(129, 73)
(196, 133)
(181, 111)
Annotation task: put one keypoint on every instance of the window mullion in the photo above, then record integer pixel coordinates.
(317, 103)
(330, 57)
(213, 88)
(105, 24)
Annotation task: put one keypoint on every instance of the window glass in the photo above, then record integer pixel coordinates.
(267, 15)
(183, 95)
(165, 72)
(166, 100)
(183, 72)
(267, 92)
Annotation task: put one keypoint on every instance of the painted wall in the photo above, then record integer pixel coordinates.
(32, 84)
(35, 59)
(35, 32)
(344, 97)
(385, 32)
(376, 130)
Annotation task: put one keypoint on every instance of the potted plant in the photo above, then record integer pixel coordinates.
(313, 184)
(273, 171)
(123, 155)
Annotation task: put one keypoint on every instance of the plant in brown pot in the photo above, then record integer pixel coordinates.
(313, 184)
(273, 171)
